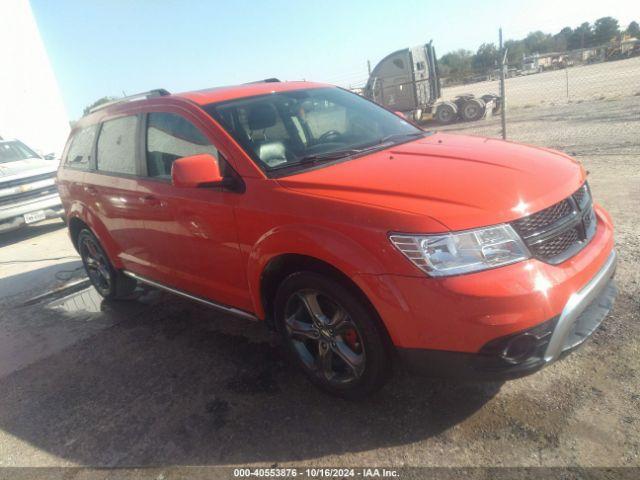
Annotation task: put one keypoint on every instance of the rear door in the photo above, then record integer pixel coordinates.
(77, 161)
(112, 187)
(191, 232)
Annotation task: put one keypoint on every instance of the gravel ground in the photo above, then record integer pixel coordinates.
(580, 83)
(161, 381)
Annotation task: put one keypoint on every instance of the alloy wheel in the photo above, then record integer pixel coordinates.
(325, 338)
(96, 264)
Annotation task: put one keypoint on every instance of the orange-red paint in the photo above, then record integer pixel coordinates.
(216, 244)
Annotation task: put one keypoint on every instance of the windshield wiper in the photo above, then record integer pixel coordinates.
(325, 157)
(393, 136)
(318, 157)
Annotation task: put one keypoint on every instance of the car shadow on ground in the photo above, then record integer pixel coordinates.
(171, 382)
(29, 231)
(38, 280)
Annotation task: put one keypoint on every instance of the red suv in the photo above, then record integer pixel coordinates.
(355, 234)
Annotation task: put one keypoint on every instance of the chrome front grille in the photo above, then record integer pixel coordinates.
(28, 195)
(557, 233)
(25, 180)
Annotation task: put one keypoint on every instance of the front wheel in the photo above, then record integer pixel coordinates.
(109, 282)
(332, 335)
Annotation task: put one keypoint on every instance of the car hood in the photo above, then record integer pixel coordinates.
(461, 181)
(26, 168)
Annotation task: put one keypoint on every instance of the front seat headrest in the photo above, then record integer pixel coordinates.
(261, 116)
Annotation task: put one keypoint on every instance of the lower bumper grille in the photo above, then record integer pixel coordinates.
(557, 233)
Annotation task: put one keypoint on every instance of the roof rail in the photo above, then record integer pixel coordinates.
(266, 80)
(158, 92)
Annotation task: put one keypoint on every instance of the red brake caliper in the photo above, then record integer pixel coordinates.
(351, 338)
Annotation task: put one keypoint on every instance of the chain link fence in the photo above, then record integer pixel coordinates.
(582, 109)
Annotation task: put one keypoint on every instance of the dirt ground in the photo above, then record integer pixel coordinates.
(161, 381)
(575, 84)
(607, 127)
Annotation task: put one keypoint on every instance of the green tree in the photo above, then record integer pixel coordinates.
(561, 39)
(486, 58)
(98, 102)
(581, 37)
(459, 63)
(539, 42)
(516, 51)
(605, 29)
(462, 63)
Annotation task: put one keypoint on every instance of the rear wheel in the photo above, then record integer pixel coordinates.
(473, 109)
(109, 282)
(332, 335)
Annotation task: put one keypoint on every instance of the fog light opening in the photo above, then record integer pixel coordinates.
(520, 348)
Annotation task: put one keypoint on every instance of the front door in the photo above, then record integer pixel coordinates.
(398, 89)
(191, 232)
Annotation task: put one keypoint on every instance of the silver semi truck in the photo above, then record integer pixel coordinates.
(408, 81)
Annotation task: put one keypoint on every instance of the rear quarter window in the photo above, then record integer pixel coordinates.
(81, 148)
(117, 146)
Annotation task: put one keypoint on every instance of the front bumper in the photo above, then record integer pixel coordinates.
(582, 315)
(12, 216)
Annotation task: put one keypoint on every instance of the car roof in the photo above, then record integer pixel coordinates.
(200, 97)
(232, 92)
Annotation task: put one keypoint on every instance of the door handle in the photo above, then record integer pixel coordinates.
(150, 200)
(91, 191)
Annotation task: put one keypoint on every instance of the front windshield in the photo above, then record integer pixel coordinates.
(299, 127)
(14, 151)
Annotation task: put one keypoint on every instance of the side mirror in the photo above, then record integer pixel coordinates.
(196, 171)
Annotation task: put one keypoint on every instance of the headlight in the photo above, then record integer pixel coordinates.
(462, 252)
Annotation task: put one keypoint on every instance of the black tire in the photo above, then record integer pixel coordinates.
(446, 113)
(473, 109)
(108, 282)
(356, 358)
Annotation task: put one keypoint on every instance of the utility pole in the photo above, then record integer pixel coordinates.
(369, 67)
(503, 96)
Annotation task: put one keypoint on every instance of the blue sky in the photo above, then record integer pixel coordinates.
(100, 48)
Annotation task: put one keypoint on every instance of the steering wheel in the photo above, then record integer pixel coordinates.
(329, 134)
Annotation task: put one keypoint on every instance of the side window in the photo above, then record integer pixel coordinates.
(169, 137)
(79, 155)
(117, 146)
(399, 63)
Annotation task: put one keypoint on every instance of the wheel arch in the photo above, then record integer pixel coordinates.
(305, 245)
(76, 225)
(281, 266)
(80, 218)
